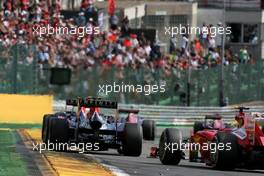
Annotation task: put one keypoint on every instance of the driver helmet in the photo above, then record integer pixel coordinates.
(93, 110)
(218, 124)
(132, 118)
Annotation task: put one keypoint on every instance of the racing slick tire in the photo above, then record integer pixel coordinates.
(198, 126)
(225, 159)
(58, 131)
(132, 142)
(149, 128)
(45, 128)
(170, 137)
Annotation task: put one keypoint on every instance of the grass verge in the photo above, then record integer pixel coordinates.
(19, 126)
(11, 161)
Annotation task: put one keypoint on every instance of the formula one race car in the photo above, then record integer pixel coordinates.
(148, 126)
(100, 130)
(219, 146)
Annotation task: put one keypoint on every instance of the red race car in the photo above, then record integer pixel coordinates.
(217, 144)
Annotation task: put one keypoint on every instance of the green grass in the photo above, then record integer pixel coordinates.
(11, 163)
(18, 126)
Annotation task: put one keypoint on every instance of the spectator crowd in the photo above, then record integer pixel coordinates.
(112, 46)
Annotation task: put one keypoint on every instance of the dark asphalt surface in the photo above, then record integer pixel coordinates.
(145, 166)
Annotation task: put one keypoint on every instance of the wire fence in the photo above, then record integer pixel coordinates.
(242, 83)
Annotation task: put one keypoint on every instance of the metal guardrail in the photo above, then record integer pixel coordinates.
(175, 115)
(231, 4)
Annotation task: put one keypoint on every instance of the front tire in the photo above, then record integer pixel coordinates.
(132, 142)
(171, 137)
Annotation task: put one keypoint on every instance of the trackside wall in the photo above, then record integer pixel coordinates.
(24, 108)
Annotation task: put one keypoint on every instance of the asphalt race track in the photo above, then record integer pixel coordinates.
(118, 164)
(145, 166)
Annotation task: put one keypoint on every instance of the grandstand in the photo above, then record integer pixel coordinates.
(117, 53)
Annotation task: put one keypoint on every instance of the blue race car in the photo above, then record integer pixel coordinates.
(106, 131)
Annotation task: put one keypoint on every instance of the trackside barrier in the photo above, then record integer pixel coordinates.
(20, 109)
(174, 115)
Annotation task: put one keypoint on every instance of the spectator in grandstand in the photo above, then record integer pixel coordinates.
(194, 60)
(211, 43)
(243, 55)
(173, 45)
(125, 27)
(81, 20)
(115, 46)
(8, 8)
(204, 35)
(43, 54)
(184, 44)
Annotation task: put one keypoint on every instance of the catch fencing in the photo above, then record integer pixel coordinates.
(242, 82)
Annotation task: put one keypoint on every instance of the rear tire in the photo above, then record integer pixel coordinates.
(170, 136)
(45, 128)
(132, 142)
(58, 131)
(225, 159)
(149, 129)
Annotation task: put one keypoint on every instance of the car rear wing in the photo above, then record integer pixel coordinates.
(213, 117)
(92, 103)
(135, 111)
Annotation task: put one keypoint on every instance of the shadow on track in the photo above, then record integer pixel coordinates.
(103, 153)
(211, 169)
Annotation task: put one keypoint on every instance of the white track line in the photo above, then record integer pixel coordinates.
(115, 170)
